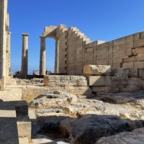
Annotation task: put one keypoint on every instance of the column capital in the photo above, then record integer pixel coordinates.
(25, 34)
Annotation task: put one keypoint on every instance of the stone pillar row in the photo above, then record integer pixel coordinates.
(43, 55)
(24, 65)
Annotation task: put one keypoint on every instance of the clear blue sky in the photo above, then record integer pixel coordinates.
(98, 19)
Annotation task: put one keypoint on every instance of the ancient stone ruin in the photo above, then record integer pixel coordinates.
(74, 50)
(95, 95)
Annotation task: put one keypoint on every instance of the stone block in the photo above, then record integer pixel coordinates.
(117, 60)
(134, 84)
(141, 73)
(90, 62)
(102, 54)
(128, 65)
(140, 57)
(99, 80)
(120, 73)
(142, 35)
(102, 51)
(124, 72)
(103, 62)
(97, 69)
(23, 140)
(119, 51)
(64, 80)
(137, 51)
(24, 129)
(100, 89)
(116, 65)
(120, 41)
(136, 36)
(89, 56)
(133, 72)
(139, 43)
(139, 64)
(130, 59)
(79, 90)
(90, 49)
(110, 62)
(78, 71)
(129, 38)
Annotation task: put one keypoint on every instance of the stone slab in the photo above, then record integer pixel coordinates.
(64, 80)
(99, 80)
(24, 129)
(97, 69)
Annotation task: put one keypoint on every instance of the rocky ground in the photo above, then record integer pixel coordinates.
(60, 117)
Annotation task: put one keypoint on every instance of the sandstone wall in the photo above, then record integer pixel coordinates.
(103, 78)
(62, 34)
(76, 50)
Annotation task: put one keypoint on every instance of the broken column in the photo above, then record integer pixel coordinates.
(42, 56)
(24, 67)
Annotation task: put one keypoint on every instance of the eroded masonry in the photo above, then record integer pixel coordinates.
(74, 50)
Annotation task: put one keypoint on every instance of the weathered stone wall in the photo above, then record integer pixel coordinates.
(76, 50)
(103, 78)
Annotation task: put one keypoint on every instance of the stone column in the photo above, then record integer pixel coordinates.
(8, 52)
(3, 35)
(24, 65)
(42, 56)
(57, 56)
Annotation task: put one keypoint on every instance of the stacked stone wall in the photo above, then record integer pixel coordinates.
(74, 50)
(125, 52)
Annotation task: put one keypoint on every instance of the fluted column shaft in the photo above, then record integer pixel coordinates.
(24, 66)
(42, 56)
